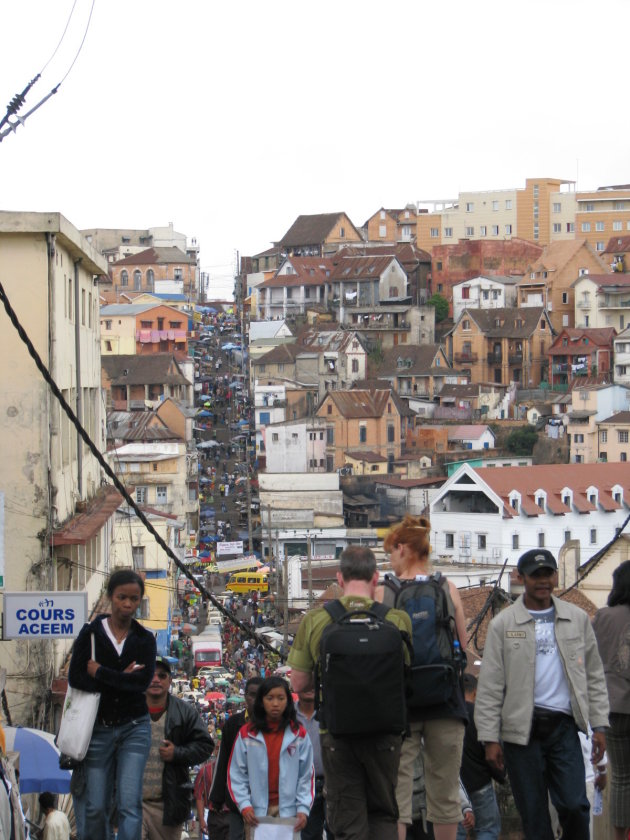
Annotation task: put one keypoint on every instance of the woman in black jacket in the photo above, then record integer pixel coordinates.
(121, 739)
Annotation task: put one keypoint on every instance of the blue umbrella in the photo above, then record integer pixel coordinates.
(204, 413)
(39, 760)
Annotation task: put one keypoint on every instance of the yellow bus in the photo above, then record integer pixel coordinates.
(248, 582)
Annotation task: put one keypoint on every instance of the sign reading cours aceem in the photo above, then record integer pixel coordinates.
(43, 615)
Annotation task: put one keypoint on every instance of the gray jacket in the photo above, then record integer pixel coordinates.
(505, 695)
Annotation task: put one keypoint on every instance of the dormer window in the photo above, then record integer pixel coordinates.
(540, 501)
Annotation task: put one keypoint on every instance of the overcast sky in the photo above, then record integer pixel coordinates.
(230, 119)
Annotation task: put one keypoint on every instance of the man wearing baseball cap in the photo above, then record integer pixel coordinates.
(541, 681)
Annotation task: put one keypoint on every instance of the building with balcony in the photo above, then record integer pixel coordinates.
(138, 383)
(602, 300)
(601, 214)
(318, 235)
(391, 226)
(549, 281)
(415, 262)
(617, 254)
(418, 371)
(299, 283)
(488, 515)
(621, 374)
(142, 329)
(614, 437)
(501, 346)
(579, 353)
(589, 405)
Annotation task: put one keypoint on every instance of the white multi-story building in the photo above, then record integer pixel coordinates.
(270, 406)
(297, 446)
(484, 293)
(621, 344)
(484, 515)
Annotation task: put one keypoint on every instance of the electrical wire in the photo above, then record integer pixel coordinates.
(80, 45)
(63, 35)
(116, 481)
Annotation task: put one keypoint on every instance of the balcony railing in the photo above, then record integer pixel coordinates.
(613, 303)
(583, 304)
(465, 356)
(495, 358)
(515, 358)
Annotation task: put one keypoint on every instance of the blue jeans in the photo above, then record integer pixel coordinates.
(552, 766)
(120, 753)
(487, 816)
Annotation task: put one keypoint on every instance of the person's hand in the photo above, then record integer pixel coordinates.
(494, 756)
(133, 666)
(598, 740)
(92, 667)
(300, 822)
(600, 780)
(167, 751)
(203, 825)
(249, 817)
(469, 820)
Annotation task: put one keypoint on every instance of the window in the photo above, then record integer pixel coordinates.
(265, 417)
(600, 246)
(566, 500)
(557, 227)
(604, 436)
(540, 501)
(342, 232)
(590, 207)
(578, 438)
(362, 433)
(470, 206)
(567, 536)
(570, 227)
(593, 536)
(330, 437)
(515, 542)
(514, 504)
(161, 494)
(622, 436)
(289, 294)
(508, 203)
(108, 346)
(382, 231)
(495, 230)
(329, 408)
(435, 232)
(617, 226)
(541, 539)
(108, 325)
(137, 279)
(557, 207)
(623, 456)
(391, 434)
(466, 324)
(599, 226)
(137, 556)
(466, 293)
(141, 495)
(481, 541)
(586, 227)
(470, 231)
(449, 540)
(355, 366)
(483, 230)
(448, 231)
(508, 229)
(124, 277)
(495, 206)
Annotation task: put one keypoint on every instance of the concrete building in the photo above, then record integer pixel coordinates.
(132, 382)
(296, 446)
(601, 214)
(484, 293)
(318, 235)
(589, 405)
(579, 353)
(57, 513)
(142, 329)
(614, 437)
(418, 371)
(488, 515)
(140, 272)
(602, 300)
(621, 344)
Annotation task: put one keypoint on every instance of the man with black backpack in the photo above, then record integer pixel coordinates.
(357, 651)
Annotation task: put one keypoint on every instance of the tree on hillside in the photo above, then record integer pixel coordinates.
(441, 307)
(522, 441)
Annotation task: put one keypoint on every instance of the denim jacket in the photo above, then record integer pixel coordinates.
(248, 772)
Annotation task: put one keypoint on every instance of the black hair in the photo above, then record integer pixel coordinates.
(47, 800)
(620, 592)
(259, 717)
(253, 681)
(121, 577)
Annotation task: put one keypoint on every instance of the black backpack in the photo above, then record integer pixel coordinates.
(438, 662)
(361, 673)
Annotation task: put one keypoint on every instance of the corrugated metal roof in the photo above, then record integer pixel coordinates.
(83, 526)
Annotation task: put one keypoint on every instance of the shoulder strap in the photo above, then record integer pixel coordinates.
(380, 610)
(335, 609)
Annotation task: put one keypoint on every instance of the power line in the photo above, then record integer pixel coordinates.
(63, 35)
(114, 478)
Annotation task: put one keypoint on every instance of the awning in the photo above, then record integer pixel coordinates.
(85, 525)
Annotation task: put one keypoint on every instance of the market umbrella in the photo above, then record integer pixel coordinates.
(236, 698)
(39, 760)
(215, 695)
(221, 681)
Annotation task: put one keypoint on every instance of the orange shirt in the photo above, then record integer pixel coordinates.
(273, 742)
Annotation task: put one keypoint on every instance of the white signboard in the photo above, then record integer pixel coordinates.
(238, 563)
(229, 548)
(44, 615)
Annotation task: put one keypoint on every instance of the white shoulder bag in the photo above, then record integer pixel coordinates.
(77, 723)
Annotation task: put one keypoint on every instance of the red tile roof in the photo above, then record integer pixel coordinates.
(83, 526)
(158, 256)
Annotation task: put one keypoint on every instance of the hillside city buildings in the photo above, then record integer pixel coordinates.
(466, 359)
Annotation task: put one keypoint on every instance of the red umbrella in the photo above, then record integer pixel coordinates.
(215, 695)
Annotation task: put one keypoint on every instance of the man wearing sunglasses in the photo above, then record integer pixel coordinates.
(179, 740)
